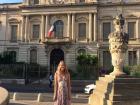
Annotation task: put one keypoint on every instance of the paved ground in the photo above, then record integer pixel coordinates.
(37, 103)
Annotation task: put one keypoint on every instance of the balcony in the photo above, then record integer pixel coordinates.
(57, 40)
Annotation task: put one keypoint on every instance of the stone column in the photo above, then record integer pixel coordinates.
(137, 29)
(73, 27)
(46, 25)
(138, 56)
(68, 25)
(26, 28)
(90, 27)
(42, 27)
(95, 26)
(22, 29)
(19, 32)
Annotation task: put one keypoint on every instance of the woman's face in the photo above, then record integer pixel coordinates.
(62, 67)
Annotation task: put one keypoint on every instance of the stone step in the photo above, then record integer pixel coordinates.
(124, 98)
(25, 96)
(46, 97)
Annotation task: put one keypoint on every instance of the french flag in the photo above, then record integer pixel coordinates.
(51, 30)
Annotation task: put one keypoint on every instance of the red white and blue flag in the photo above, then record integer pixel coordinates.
(51, 30)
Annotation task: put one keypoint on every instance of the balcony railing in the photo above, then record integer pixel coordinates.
(54, 40)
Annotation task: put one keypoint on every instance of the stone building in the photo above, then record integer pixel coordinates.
(81, 26)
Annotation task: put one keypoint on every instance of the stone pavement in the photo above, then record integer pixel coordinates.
(37, 103)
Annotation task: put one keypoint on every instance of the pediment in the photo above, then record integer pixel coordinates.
(107, 17)
(13, 20)
(131, 16)
(79, 19)
(35, 19)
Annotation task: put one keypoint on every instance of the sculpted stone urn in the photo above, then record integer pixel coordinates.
(118, 41)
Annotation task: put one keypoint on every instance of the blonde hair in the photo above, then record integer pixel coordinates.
(59, 67)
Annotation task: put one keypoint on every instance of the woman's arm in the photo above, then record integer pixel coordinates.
(69, 87)
(55, 87)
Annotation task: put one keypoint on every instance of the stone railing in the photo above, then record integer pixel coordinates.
(4, 96)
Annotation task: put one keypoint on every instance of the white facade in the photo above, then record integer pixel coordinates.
(35, 17)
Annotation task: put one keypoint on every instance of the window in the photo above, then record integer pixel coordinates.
(33, 56)
(131, 29)
(33, 2)
(106, 30)
(13, 55)
(82, 1)
(36, 31)
(14, 33)
(82, 30)
(132, 58)
(36, 1)
(81, 51)
(59, 25)
(106, 60)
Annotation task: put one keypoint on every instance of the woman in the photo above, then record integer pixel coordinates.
(62, 87)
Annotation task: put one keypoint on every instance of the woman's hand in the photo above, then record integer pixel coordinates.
(54, 98)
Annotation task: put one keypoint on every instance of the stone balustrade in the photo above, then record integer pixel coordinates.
(4, 96)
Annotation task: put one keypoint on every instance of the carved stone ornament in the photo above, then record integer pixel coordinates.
(58, 1)
(118, 41)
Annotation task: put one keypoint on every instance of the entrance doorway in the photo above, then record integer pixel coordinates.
(55, 57)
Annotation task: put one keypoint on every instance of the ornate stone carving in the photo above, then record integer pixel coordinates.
(118, 41)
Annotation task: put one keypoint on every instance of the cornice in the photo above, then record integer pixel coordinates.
(118, 4)
(56, 5)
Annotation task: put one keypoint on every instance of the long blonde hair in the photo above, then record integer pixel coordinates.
(65, 67)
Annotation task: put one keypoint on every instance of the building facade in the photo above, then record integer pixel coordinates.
(81, 26)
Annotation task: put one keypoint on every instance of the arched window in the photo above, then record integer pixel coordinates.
(33, 56)
(81, 51)
(59, 25)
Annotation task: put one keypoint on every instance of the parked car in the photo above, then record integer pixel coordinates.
(89, 88)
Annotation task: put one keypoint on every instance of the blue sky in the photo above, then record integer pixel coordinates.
(10, 1)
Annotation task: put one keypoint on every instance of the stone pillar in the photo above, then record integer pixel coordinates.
(22, 29)
(138, 56)
(137, 29)
(90, 27)
(46, 25)
(26, 28)
(19, 32)
(95, 26)
(73, 27)
(68, 25)
(42, 27)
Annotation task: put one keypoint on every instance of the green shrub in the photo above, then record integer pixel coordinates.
(135, 71)
(87, 66)
(87, 59)
(127, 70)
